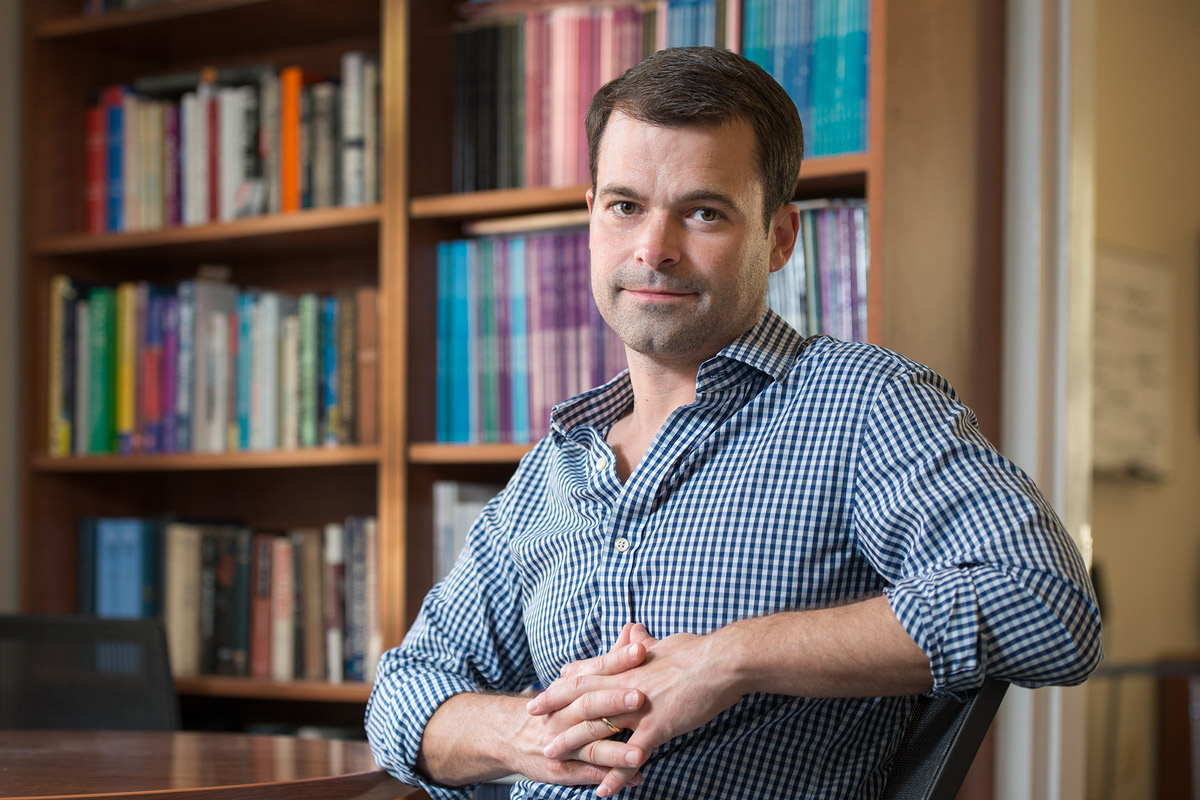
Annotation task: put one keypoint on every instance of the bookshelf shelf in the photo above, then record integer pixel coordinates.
(335, 226)
(433, 453)
(194, 462)
(504, 202)
(257, 689)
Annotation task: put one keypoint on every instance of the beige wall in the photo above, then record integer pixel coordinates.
(1147, 536)
(9, 75)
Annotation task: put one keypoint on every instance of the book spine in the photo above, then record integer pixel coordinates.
(282, 605)
(181, 611)
(353, 129)
(260, 605)
(347, 366)
(247, 301)
(96, 168)
(309, 313)
(289, 382)
(330, 424)
(101, 418)
(334, 552)
(58, 433)
(367, 370)
(83, 332)
(86, 577)
(185, 366)
(114, 127)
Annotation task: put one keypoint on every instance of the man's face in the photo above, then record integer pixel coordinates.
(680, 256)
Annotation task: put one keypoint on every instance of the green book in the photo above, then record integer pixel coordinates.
(309, 314)
(102, 367)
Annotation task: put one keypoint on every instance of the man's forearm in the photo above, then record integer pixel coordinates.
(469, 739)
(856, 650)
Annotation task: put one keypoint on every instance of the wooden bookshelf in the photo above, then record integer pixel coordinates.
(935, 303)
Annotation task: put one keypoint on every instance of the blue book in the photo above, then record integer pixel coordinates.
(519, 333)
(443, 340)
(113, 99)
(460, 365)
(185, 365)
(329, 371)
(356, 599)
(118, 568)
(245, 366)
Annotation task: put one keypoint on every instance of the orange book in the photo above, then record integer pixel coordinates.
(291, 79)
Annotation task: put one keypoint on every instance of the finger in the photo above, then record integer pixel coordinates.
(617, 660)
(608, 753)
(577, 737)
(638, 634)
(617, 779)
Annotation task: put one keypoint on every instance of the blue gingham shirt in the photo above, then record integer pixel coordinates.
(806, 472)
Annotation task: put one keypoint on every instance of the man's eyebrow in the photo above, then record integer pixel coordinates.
(702, 195)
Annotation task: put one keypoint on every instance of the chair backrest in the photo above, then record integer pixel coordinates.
(939, 744)
(78, 672)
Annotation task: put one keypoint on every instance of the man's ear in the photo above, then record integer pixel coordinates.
(590, 196)
(785, 230)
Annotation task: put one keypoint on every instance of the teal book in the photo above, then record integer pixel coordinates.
(309, 316)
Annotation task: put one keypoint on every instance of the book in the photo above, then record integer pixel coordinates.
(456, 506)
(366, 395)
(283, 656)
(102, 362)
(181, 608)
(333, 582)
(262, 547)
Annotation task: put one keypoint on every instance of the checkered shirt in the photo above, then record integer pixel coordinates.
(807, 472)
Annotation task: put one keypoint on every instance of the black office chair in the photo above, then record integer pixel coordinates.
(939, 744)
(85, 673)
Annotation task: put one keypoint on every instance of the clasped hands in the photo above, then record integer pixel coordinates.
(656, 689)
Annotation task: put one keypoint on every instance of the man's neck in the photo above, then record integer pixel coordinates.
(658, 389)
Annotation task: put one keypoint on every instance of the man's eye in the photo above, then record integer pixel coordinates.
(624, 207)
(708, 214)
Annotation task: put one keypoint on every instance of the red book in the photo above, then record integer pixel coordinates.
(97, 168)
(213, 115)
(260, 605)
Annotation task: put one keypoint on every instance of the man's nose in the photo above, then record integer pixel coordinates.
(658, 241)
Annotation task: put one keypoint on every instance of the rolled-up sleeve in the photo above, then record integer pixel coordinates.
(982, 574)
(468, 637)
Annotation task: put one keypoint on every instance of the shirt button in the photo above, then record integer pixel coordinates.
(621, 544)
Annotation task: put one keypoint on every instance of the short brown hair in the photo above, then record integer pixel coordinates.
(708, 86)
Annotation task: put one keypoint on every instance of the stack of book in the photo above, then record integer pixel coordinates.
(818, 50)
(518, 331)
(221, 144)
(299, 604)
(823, 288)
(206, 366)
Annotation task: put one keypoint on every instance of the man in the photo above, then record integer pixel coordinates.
(733, 565)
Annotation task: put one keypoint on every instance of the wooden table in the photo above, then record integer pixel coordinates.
(188, 766)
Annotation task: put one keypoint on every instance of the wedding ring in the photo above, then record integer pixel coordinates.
(610, 725)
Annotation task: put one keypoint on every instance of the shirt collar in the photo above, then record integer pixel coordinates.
(770, 347)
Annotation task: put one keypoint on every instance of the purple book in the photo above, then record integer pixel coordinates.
(172, 196)
(503, 339)
(170, 366)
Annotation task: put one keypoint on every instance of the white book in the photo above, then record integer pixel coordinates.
(289, 380)
(374, 644)
(230, 122)
(371, 130)
(216, 408)
(264, 426)
(210, 297)
(353, 130)
(181, 599)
